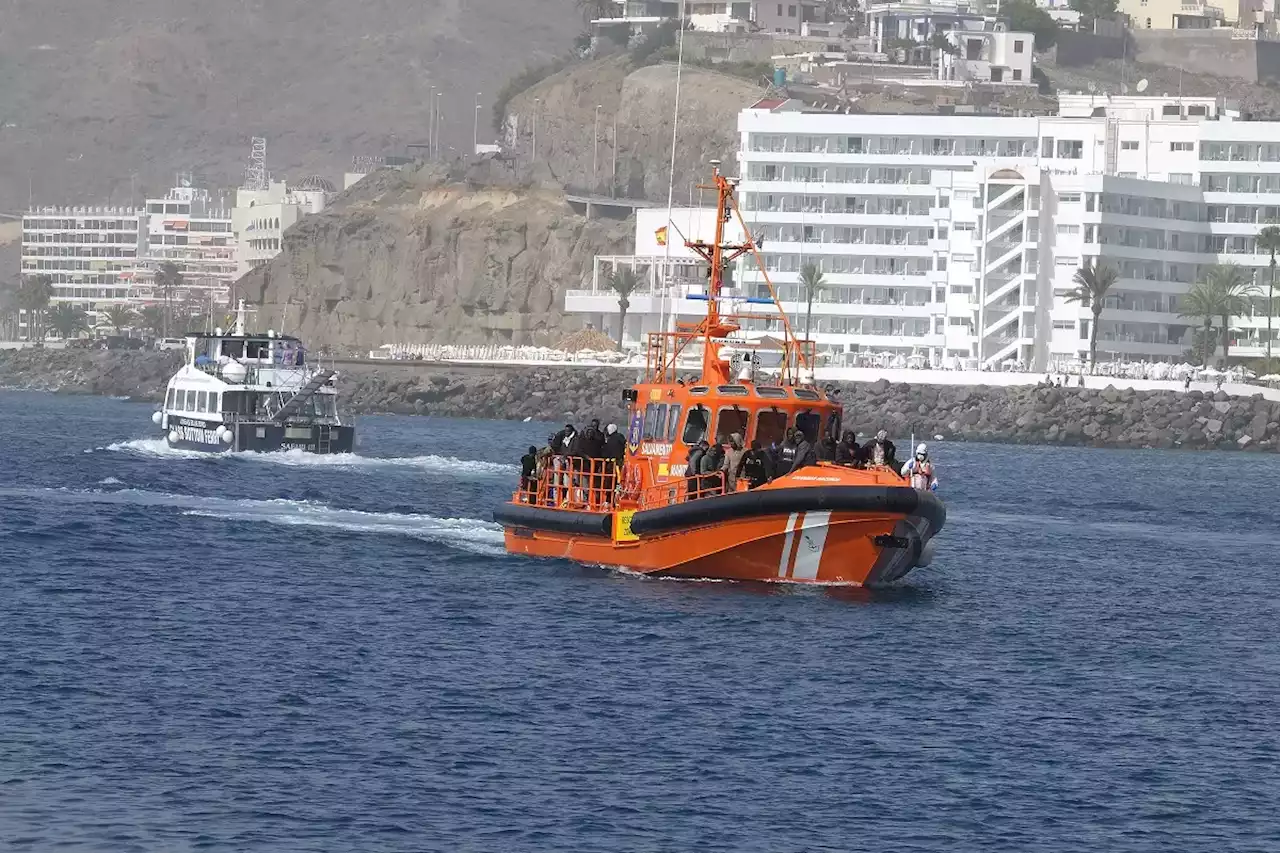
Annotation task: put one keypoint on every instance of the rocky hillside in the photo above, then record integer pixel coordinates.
(468, 256)
(640, 100)
(96, 89)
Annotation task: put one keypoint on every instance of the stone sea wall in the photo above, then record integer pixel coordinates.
(1024, 415)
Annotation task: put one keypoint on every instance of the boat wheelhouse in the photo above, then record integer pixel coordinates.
(258, 392)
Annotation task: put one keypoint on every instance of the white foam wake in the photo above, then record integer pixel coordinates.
(466, 534)
(158, 448)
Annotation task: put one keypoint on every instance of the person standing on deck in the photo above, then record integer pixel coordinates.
(733, 459)
(920, 471)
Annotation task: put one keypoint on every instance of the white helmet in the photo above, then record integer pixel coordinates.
(922, 450)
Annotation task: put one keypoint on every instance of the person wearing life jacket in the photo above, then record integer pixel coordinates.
(920, 471)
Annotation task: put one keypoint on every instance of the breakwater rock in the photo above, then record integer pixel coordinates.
(1106, 417)
(140, 375)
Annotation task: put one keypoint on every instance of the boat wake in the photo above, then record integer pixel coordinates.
(158, 448)
(465, 534)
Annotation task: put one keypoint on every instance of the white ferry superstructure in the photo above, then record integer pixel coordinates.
(252, 392)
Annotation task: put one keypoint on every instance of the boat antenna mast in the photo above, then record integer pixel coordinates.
(718, 255)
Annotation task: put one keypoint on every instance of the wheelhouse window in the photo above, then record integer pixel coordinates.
(695, 425)
(809, 423)
(655, 420)
(191, 401)
(169, 402)
(732, 420)
(202, 401)
(233, 349)
(673, 423)
(771, 427)
(771, 391)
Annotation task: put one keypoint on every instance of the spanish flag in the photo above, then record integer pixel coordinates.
(661, 234)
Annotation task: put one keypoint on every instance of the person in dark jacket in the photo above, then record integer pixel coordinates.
(529, 474)
(615, 451)
(615, 445)
(786, 454)
(709, 467)
(827, 449)
(693, 467)
(562, 441)
(847, 449)
(805, 454)
(757, 467)
(879, 451)
(593, 441)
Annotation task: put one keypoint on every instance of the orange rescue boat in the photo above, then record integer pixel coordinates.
(823, 523)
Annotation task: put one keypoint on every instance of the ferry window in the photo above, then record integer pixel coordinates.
(673, 423)
(169, 404)
(655, 419)
(191, 401)
(234, 349)
(806, 394)
(202, 401)
(771, 391)
(255, 349)
(771, 427)
(213, 402)
(734, 390)
(731, 421)
(699, 390)
(809, 423)
(695, 426)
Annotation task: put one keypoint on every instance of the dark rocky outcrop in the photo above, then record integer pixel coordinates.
(1109, 417)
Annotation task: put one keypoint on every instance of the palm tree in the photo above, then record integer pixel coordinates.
(168, 278)
(1233, 284)
(33, 297)
(812, 282)
(623, 281)
(151, 319)
(119, 317)
(1092, 285)
(67, 321)
(1269, 242)
(1203, 302)
(595, 9)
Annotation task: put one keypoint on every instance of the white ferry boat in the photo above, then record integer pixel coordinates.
(253, 392)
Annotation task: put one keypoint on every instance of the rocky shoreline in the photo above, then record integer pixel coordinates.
(1022, 415)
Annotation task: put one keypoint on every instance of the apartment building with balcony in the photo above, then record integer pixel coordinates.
(261, 216)
(86, 251)
(1173, 14)
(957, 237)
(189, 227)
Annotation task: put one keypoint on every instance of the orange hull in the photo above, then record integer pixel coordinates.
(738, 537)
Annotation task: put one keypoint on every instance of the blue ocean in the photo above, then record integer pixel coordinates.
(290, 653)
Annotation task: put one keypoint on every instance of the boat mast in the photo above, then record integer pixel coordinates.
(671, 188)
(238, 330)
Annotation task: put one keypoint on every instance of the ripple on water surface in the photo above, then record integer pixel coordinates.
(289, 654)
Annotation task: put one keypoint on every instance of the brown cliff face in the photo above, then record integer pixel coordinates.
(642, 102)
(432, 258)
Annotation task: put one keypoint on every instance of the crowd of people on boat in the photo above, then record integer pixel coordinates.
(588, 463)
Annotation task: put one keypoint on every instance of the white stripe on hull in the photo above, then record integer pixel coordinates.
(813, 540)
(784, 562)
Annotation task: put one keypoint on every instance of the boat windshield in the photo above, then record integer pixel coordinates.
(695, 428)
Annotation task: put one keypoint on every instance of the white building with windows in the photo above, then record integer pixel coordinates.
(261, 217)
(954, 239)
(190, 227)
(86, 251)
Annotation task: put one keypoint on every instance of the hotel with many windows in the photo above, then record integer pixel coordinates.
(955, 238)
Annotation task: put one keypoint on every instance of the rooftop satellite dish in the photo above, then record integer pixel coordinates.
(1142, 85)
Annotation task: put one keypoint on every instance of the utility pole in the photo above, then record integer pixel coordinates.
(537, 106)
(613, 182)
(439, 121)
(475, 131)
(595, 159)
(431, 119)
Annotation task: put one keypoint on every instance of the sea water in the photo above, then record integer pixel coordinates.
(283, 652)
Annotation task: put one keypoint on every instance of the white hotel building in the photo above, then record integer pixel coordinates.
(955, 238)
